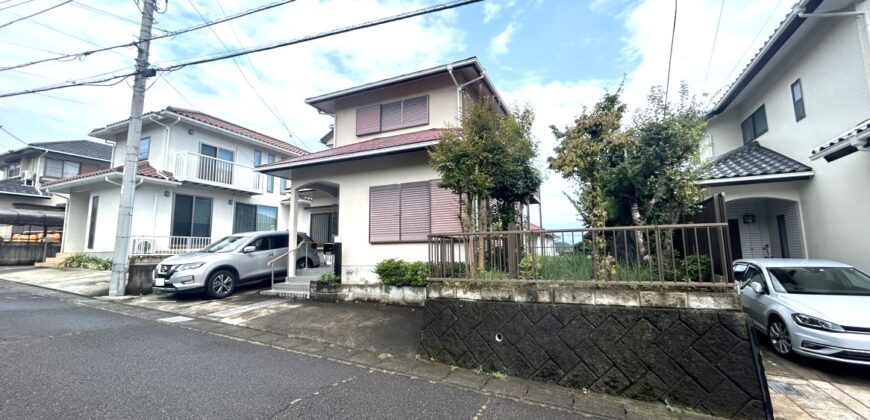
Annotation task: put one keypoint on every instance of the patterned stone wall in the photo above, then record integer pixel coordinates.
(700, 359)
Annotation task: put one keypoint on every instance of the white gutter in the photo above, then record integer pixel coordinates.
(36, 175)
(347, 156)
(65, 219)
(754, 178)
(460, 87)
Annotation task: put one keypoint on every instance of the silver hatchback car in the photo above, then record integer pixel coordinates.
(813, 308)
(231, 261)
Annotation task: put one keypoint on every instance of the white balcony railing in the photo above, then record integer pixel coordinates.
(208, 170)
(166, 245)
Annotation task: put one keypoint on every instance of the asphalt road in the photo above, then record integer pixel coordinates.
(62, 360)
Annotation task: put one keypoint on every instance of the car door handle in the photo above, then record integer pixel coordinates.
(271, 255)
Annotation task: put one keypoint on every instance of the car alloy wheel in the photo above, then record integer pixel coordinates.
(221, 284)
(779, 337)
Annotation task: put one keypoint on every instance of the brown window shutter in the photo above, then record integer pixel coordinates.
(384, 213)
(368, 120)
(415, 211)
(415, 111)
(445, 209)
(391, 116)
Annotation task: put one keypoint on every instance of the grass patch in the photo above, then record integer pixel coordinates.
(86, 261)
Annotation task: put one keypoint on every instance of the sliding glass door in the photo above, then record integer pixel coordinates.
(216, 164)
(191, 216)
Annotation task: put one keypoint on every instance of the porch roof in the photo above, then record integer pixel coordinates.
(844, 144)
(15, 186)
(143, 169)
(369, 148)
(753, 163)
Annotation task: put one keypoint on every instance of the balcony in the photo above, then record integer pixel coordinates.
(213, 172)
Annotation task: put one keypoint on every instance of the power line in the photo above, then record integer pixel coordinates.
(12, 135)
(84, 54)
(17, 4)
(108, 14)
(241, 71)
(166, 79)
(713, 48)
(748, 47)
(34, 14)
(671, 54)
(63, 56)
(369, 24)
(29, 47)
(377, 22)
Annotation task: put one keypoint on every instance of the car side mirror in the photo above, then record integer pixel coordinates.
(757, 288)
(249, 248)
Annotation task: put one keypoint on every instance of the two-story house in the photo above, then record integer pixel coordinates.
(787, 136)
(24, 203)
(195, 182)
(374, 188)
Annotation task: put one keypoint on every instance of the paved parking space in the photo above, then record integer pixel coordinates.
(802, 387)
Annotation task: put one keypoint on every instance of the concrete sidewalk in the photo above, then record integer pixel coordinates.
(79, 281)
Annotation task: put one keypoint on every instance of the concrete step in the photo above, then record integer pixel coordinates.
(48, 264)
(294, 289)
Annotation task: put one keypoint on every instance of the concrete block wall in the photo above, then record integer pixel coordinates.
(700, 359)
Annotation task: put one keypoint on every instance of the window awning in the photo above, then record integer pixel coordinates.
(752, 164)
(9, 216)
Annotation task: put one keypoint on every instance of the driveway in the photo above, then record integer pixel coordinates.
(801, 387)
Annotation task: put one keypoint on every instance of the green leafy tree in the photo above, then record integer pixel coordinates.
(586, 154)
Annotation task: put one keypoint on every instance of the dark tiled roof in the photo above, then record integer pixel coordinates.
(16, 186)
(753, 160)
(367, 146)
(83, 148)
(226, 125)
(854, 131)
(144, 169)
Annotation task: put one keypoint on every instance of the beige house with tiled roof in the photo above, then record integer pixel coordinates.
(195, 182)
(374, 188)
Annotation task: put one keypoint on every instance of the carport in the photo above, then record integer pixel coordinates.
(32, 248)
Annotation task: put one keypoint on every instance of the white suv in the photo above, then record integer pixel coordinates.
(231, 261)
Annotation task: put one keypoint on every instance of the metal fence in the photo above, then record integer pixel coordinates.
(694, 254)
(166, 245)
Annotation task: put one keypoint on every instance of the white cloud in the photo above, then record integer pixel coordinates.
(499, 44)
(493, 8)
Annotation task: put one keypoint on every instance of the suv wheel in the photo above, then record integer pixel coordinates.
(220, 284)
(304, 263)
(780, 339)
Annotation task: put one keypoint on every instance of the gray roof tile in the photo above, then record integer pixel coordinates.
(752, 160)
(83, 148)
(16, 186)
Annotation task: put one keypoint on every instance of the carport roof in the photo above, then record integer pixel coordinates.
(753, 163)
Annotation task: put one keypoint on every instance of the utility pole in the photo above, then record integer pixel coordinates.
(120, 260)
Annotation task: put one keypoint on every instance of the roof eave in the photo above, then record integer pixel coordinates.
(25, 195)
(756, 179)
(344, 157)
(95, 179)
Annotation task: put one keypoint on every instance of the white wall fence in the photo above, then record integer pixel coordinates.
(166, 245)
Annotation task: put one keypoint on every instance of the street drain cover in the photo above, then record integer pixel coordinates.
(783, 388)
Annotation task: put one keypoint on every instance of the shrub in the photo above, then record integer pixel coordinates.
(329, 278)
(530, 267)
(695, 267)
(395, 272)
(86, 261)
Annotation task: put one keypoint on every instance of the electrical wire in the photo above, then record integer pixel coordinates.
(713, 48)
(166, 79)
(17, 4)
(325, 34)
(671, 54)
(12, 135)
(115, 79)
(34, 14)
(167, 34)
(110, 14)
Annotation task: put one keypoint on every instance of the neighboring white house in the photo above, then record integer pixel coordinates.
(788, 135)
(196, 182)
(374, 187)
(24, 203)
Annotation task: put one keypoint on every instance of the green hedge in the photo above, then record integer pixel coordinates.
(395, 272)
(85, 261)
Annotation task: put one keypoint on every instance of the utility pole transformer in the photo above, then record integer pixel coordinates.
(120, 259)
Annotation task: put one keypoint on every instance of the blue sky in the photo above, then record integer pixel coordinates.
(557, 55)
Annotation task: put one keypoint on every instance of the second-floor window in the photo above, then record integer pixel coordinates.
(797, 99)
(13, 170)
(57, 168)
(754, 125)
(144, 148)
(392, 116)
(270, 181)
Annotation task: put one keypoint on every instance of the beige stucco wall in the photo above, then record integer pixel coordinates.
(354, 179)
(835, 203)
(442, 108)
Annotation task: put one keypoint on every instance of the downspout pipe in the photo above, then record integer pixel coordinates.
(863, 33)
(39, 161)
(460, 87)
(166, 137)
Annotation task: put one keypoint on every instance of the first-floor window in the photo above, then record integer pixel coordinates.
(92, 223)
(191, 216)
(13, 170)
(410, 212)
(250, 218)
(57, 168)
